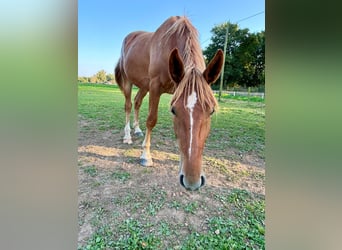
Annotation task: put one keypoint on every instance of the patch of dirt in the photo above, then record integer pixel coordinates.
(114, 187)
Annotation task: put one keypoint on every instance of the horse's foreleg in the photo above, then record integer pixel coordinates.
(146, 158)
(137, 103)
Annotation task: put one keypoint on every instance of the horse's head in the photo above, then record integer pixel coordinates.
(192, 105)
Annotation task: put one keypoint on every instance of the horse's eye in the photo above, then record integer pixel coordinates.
(212, 112)
(173, 111)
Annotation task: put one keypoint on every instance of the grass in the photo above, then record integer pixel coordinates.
(130, 238)
(240, 125)
(239, 227)
(237, 124)
(154, 217)
(243, 229)
(90, 170)
(246, 231)
(122, 176)
(242, 98)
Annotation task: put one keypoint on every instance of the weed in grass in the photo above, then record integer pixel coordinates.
(245, 231)
(116, 214)
(100, 211)
(90, 170)
(136, 206)
(131, 235)
(85, 204)
(175, 204)
(134, 236)
(127, 199)
(122, 176)
(101, 239)
(191, 207)
(152, 209)
(238, 197)
(225, 233)
(157, 201)
(95, 184)
(164, 228)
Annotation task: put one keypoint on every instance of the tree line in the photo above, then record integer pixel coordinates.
(100, 77)
(245, 55)
(244, 59)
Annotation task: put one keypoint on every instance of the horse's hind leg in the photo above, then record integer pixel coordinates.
(137, 103)
(127, 90)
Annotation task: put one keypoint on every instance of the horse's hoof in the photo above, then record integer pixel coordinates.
(146, 163)
(139, 134)
(127, 141)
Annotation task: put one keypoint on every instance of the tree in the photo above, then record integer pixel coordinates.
(93, 79)
(110, 77)
(260, 58)
(101, 76)
(83, 79)
(244, 63)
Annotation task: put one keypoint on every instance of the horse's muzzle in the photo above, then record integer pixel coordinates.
(193, 186)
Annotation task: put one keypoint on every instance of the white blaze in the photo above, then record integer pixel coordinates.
(192, 100)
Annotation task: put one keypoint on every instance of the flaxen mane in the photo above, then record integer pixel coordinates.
(194, 64)
(188, 44)
(194, 81)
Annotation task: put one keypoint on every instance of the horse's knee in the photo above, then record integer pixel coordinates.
(151, 122)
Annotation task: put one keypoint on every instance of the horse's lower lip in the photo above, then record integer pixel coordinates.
(181, 179)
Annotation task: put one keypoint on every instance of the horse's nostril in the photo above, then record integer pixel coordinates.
(181, 179)
(202, 180)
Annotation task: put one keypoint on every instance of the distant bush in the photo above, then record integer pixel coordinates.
(100, 77)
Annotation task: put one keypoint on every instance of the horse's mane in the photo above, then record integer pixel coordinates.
(194, 81)
(186, 36)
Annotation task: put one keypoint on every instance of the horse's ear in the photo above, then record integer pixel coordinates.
(176, 66)
(212, 72)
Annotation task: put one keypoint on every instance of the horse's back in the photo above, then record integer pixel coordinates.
(135, 57)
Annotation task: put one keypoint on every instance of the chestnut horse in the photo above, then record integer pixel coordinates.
(170, 60)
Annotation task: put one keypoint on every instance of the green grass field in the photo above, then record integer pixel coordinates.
(238, 123)
(119, 209)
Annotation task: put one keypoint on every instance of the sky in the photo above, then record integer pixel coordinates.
(103, 24)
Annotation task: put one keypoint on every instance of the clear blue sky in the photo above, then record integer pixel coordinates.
(103, 24)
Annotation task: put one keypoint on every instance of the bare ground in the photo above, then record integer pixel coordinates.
(114, 187)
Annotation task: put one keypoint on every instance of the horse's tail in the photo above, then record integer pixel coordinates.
(119, 77)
